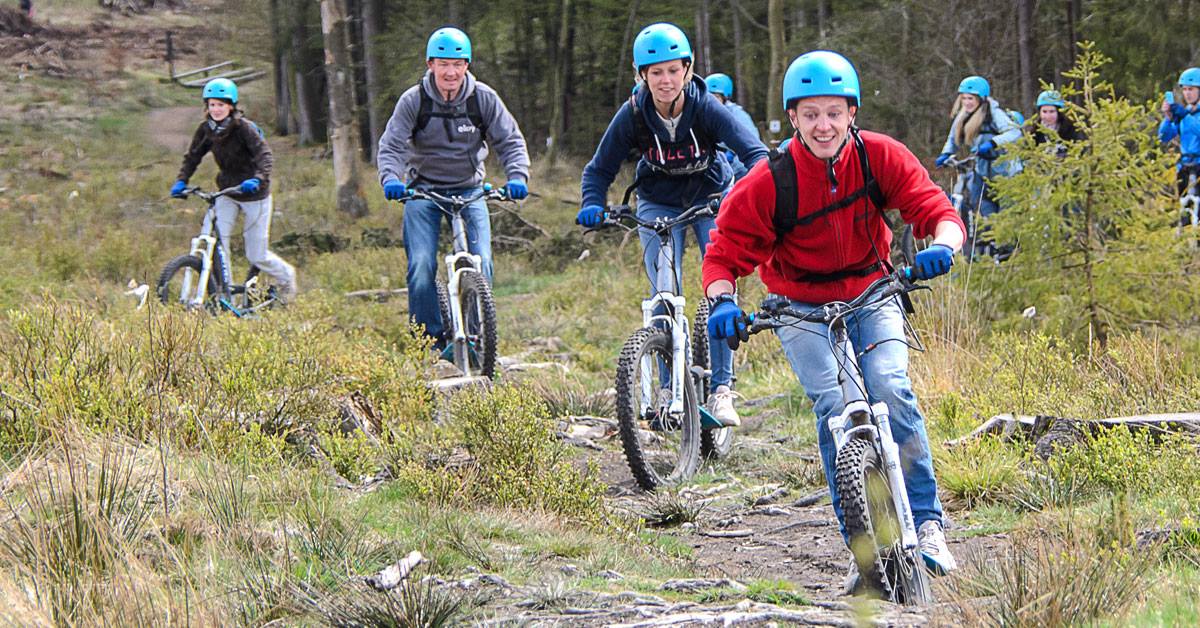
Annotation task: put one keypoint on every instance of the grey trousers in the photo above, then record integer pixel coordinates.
(256, 230)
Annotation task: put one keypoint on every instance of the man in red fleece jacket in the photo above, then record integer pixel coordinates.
(837, 246)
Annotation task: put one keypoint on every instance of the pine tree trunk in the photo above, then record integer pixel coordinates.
(558, 91)
(343, 128)
(372, 26)
(621, 90)
(279, 71)
(775, 84)
(310, 109)
(704, 64)
(1025, 48)
(739, 70)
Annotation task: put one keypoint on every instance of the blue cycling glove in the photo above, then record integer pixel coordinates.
(393, 189)
(933, 261)
(726, 319)
(178, 188)
(942, 159)
(251, 186)
(987, 150)
(516, 189)
(590, 216)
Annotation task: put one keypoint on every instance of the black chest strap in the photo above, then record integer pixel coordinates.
(426, 112)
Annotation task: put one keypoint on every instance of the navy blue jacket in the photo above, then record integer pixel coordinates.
(703, 115)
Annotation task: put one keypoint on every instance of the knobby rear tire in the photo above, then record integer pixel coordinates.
(655, 344)
(715, 443)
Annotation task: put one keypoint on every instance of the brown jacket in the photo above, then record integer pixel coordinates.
(240, 151)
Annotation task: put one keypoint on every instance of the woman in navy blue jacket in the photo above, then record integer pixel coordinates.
(674, 126)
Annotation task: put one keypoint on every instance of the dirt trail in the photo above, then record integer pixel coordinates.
(774, 534)
(172, 127)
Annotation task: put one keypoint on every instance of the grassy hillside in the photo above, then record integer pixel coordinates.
(163, 467)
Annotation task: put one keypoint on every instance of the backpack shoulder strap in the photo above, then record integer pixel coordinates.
(874, 191)
(424, 112)
(641, 130)
(787, 196)
(475, 114)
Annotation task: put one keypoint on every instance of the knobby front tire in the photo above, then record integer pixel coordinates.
(479, 321)
(170, 281)
(661, 450)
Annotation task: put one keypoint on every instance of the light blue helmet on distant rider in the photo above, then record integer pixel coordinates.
(221, 88)
(658, 43)
(1051, 97)
(720, 84)
(820, 73)
(1190, 77)
(976, 85)
(448, 43)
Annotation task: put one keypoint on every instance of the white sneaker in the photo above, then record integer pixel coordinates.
(720, 405)
(932, 542)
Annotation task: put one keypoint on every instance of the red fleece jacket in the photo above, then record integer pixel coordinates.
(838, 241)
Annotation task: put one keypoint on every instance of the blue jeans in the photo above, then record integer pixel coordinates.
(422, 228)
(720, 356)
(885, 369)
(977, 197)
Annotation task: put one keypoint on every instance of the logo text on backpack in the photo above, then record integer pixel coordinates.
(466, 128)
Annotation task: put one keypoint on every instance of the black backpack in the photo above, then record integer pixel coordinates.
(643, 137)
(425, 112)
(787, 200)
(787, 195)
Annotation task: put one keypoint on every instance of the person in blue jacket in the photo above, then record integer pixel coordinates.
(676, 126)
(1183, 121)
(981, 127)
(721, 87)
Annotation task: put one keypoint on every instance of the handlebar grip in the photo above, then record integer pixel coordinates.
(742, 331)
(487, 187)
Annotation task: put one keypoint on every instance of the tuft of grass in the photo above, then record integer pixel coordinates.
(411, 604)
(223, 494)
(75, 527)
(978, 472)
(565, 397)
(1072, 577)
(669, 508)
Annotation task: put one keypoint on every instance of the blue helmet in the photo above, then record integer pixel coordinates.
(976, 85)
(720, 84)
(1051, 97)
(1190, 77)
(448, 43)
(658, 43)
(820, 73)
(222, 88)
(1018, 118)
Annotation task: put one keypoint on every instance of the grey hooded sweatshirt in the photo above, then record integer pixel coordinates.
(449, 152)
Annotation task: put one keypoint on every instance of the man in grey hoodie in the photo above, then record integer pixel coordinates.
(437, 139)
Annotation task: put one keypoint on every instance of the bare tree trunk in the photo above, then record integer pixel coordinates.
(558, 90)
(343, 131)
(704, 64)
(775, 84)
(279, 71)
(739, 70)
(1025, 48)
(824, 13)
(309, 75)
(372, 26)
(1072, 35)
(621, 90)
